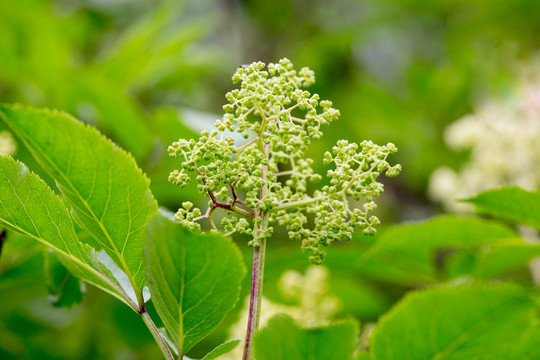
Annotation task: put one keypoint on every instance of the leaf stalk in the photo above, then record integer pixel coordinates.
(162, 344)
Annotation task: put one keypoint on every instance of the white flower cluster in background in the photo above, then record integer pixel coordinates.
(8, 145)
(504, 139)
(313, 305)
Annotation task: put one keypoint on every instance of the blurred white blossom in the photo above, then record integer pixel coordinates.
(503, 137)
(313, 305)
(7, 143)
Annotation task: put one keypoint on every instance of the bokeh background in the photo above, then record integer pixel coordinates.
(149, 72)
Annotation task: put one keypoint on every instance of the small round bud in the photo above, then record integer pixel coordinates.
(187, 205)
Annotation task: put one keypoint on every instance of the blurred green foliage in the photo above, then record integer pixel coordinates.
(149, 72)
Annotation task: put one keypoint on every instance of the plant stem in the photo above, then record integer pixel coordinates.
(257, 272)
(298, 203)
(157, 336)
(255, 298)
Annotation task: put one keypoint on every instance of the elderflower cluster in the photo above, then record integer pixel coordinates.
(265, 180)
(312, 304)
(7, 143)
(502, 137)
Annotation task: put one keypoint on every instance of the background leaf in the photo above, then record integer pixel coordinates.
(465, 322)
(116, 113)
(194, 279)
(502, 258)
(65, 289)
(510, 203)
(282, 339)
(441, 232)
(109, 194)
(406, 253)
(363, 356)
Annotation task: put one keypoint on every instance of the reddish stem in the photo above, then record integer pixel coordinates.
(254, 300)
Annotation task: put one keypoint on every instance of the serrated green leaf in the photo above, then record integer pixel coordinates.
(30, 207)
(108, 193)
(65, 290)
(465, 322)
(222, 349)
(194, 279)
(510, 203)
(282, 339)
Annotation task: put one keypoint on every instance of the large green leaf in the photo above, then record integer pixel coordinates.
(194, 279)
(465, 322)
(108, 193)
(511, 203)
(282, 339)
(30, 207)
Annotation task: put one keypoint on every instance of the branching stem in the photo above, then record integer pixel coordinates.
(229, 207)
(305, 202)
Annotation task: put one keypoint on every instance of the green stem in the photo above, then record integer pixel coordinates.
(246, 145)
(298, 203)
(305, 202)
(162, 344)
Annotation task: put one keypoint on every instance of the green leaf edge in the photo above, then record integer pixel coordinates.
(91, 129)
(222, 349)
(488, 210)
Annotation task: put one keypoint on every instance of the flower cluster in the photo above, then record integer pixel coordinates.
(354, 176)
(502, 137)
(7, 143)
(265, 180)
